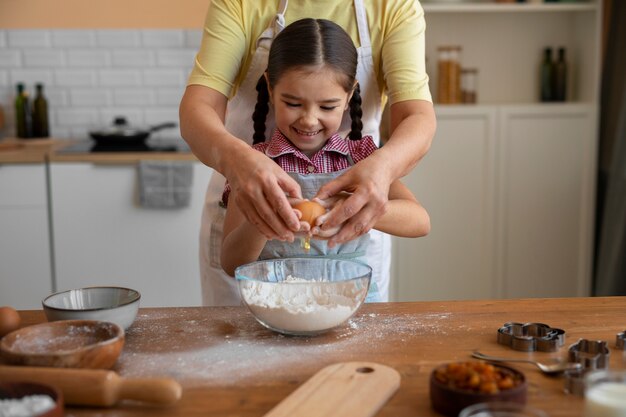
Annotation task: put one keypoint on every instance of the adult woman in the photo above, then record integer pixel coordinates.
(232, 58)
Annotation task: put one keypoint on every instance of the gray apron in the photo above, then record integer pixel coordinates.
(218, 288)
(355, 249)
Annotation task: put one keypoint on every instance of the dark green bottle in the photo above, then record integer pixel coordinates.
(23, 119)
(547, 76)
(40, 114)
(560, 76)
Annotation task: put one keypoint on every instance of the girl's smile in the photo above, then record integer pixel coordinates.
(309, 103)
(301, 132)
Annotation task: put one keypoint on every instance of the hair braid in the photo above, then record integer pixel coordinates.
(356, 112)
(260, 111)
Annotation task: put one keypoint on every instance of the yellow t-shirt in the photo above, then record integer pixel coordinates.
(396, 27)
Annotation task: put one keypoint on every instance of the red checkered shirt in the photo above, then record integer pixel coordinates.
(332, 157)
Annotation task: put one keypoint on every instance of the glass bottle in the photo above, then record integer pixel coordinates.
(455, 75)
(560, 76)
(443, 93)
(40, 113)
(23, 120)
(547, 76)
(449, 74)
(469, 81)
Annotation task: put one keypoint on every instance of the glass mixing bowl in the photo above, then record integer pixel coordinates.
(303, 296)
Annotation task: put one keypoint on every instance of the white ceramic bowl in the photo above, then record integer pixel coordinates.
(113, 304)
(303, 296)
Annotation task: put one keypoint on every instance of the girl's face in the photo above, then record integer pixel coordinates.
(308, 106)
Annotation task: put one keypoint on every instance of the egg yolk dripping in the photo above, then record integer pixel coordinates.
(310, 210)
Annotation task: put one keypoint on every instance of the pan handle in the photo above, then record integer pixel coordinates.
(167, 125)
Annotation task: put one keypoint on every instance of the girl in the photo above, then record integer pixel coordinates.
(310, 81)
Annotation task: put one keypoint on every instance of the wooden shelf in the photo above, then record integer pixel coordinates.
(508, 8)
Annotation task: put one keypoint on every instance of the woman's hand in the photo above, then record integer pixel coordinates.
(368, 184)
(260, 185)
(261, 188)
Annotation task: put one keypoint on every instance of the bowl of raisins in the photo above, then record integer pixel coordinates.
(456, 385)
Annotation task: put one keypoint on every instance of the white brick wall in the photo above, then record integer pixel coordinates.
(91, 76)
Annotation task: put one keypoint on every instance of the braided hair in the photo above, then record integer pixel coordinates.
(310, 42)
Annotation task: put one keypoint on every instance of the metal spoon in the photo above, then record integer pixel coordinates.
(545, 368)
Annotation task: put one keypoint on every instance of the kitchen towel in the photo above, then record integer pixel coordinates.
(165, 184)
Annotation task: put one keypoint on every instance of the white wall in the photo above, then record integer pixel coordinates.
(92, 75)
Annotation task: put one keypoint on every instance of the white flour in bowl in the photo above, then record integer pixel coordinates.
(302, 306)
(28, 406)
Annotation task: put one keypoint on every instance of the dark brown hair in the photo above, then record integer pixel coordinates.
(310, 42)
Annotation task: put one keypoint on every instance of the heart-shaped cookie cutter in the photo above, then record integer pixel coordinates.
(531, 337)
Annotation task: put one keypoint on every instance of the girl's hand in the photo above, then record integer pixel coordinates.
(260, 188)
(368, 182)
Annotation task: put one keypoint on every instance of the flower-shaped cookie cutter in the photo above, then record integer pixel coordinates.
(620, 338)
(592, 355)
(531, 337)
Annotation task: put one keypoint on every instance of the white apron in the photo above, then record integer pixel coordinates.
(220, 289)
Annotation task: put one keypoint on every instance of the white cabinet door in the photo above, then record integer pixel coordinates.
(548, 164)
(25, 271)
(455, 182)
(102, 237)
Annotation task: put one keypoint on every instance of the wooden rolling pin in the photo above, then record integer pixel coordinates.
(97, 386)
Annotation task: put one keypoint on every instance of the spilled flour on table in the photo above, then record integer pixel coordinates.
(232, 347)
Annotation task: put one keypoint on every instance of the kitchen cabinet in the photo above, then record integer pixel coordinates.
(456, 183)
(546, 199)
(510, 192)
(102, 237)
(25, 263)
(509, 182)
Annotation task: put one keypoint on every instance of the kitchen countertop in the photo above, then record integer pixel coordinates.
(24, 151)
(229, 365)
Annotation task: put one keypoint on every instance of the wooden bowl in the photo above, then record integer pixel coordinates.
(18, 390)
(450, 400)
(64, 344)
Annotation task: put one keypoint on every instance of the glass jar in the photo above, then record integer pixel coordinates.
(469, 85)
(605, 393)
(501, 409)
(449, 74)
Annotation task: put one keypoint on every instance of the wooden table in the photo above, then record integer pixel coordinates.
(229, 365)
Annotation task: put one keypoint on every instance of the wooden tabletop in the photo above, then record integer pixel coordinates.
(229, 365)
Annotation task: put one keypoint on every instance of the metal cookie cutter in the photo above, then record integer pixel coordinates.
(620, 339)
(591, 354)
(531, 336)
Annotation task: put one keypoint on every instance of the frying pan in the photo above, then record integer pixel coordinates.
(121, 133)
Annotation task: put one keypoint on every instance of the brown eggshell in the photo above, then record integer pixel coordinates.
(9, 320)
(311, 210)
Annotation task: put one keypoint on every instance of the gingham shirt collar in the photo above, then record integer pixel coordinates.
(280, 145)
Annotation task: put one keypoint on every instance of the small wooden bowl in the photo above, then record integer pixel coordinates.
(64, 344)
(17, 390)
(449, 401)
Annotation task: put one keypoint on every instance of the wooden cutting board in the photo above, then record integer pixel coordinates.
(345, 389)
